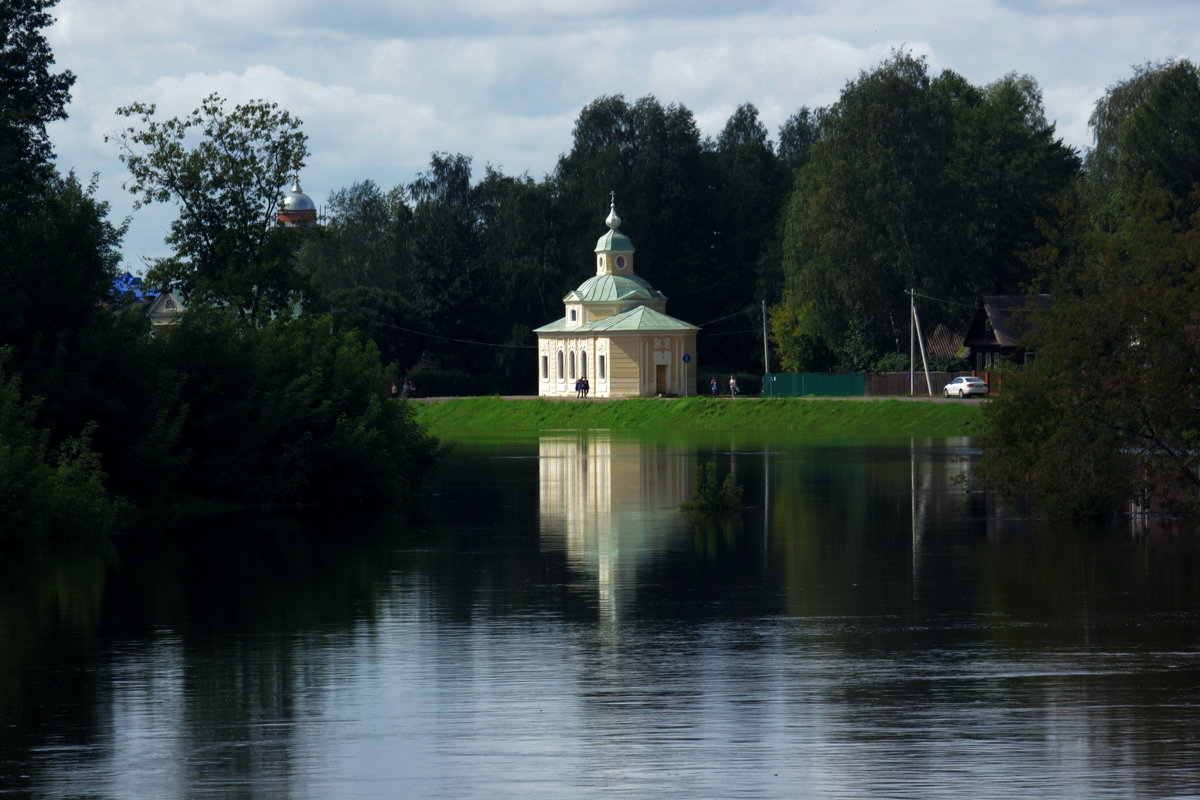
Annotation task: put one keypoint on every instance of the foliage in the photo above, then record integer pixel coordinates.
(365, 240)
(31, 96)
(797, 135)
(226, 170)
(58, 259)
(797, 349)
(1146, 125)
(898, 362)
(711, 498)
(47, 492)
(891, 362)
(917, 182)
(290, 412)
(1107, 414)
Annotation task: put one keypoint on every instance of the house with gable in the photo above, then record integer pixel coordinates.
(999, 325)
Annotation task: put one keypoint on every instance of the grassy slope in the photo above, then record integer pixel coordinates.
(876, 418)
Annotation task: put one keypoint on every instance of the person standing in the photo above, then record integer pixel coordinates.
(713, 388)
(733, 387)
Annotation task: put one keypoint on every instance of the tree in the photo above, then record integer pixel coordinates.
(797, 349)
(862, 222)
(55, 241)
(45, 490)
(749, 188)
(653, 158)
(919, 183)
(797, 135)
(365, 240)
(1161, 137)
(31, 96)
(226, 171)
(1148, 124)
(289, 412)
(64, 248)
(1109, 413)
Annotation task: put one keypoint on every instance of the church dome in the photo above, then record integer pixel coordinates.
(614, 240)
(612, 288)
(297, 208)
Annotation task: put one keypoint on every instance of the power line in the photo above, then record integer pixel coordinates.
(727, 316)
(465, 341)
(940, 300)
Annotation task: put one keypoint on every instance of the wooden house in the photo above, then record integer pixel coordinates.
(998, 330)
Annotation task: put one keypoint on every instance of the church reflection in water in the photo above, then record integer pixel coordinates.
(611, 504)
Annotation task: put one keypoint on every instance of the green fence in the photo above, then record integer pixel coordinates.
(801, 384)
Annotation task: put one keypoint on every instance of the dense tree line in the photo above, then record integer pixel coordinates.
(907, 182)
(102, 425)
(1108, 416)
(459, 268)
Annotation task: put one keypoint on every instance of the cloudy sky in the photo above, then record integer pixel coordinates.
(380, 85)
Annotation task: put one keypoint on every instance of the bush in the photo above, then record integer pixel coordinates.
(43, 492)
(289, 413)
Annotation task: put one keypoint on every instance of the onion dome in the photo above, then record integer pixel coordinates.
(614, 240)
(297, 208)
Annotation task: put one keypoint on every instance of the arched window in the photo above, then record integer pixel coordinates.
(560, 365)
(583, 363)
(545, 367)
(573, 315)
(571, 365)
(603, 369)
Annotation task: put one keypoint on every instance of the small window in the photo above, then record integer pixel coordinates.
(573, 315)
(603, 369)
(571, 365)
(545, 367)
(620, 262)
(583, 363)
(560, 365)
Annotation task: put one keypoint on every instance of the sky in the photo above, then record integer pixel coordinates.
(382, 84)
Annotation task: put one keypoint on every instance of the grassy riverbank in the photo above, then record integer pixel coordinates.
(858, 418)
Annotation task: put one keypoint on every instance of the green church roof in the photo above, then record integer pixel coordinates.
(641, 318)
(612, 288)
(614, 241)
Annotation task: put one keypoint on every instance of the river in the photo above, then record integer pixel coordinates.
(549, 625)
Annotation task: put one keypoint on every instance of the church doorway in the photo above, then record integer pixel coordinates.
(660, 378)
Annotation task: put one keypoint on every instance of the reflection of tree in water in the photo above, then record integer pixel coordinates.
(218, 630)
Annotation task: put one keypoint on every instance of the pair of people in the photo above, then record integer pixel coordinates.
(714, 388)
(582, 387)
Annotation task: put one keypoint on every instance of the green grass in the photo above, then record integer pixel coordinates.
(824, 418)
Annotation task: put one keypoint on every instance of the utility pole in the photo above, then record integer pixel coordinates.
(915, 325)
(766, 364)
(912, 317)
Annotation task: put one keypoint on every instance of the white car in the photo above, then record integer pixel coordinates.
(965, 386)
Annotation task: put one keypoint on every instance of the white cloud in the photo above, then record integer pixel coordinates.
(381, 85)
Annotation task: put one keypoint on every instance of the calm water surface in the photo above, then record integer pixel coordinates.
(550, 626)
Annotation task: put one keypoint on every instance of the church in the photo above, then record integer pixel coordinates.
(616, 333)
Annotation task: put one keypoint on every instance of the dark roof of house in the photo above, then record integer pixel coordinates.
(1003, 319)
